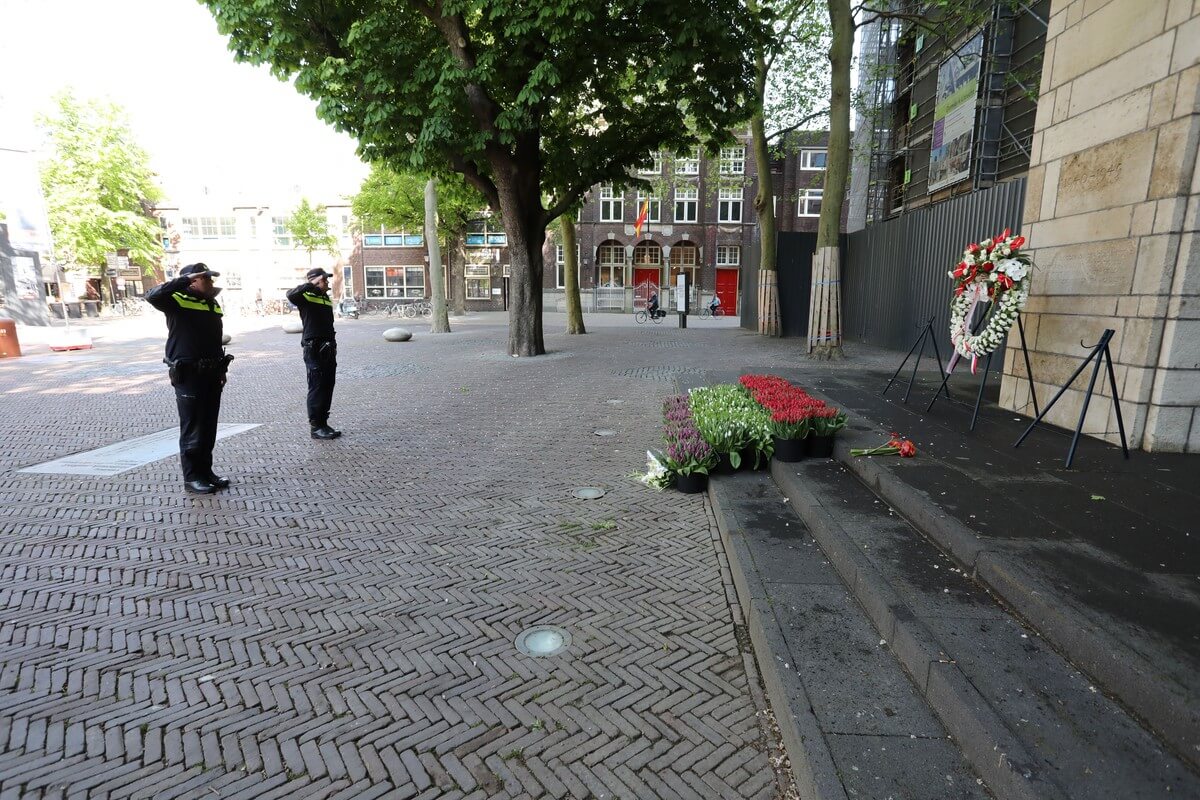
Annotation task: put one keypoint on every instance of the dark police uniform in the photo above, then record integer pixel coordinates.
(197, 365)
(320, 351)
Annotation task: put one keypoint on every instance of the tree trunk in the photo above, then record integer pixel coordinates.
(825, 316)
(764, 205)
(519, 194)
(437, 287)
(571, 276)
(456, 243)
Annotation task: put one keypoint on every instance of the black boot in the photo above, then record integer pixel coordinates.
(325, 432)
(199, 487)
(219, 482)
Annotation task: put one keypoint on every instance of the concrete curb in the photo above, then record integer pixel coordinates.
(1124, 674)
(812, 762)
(984, 739)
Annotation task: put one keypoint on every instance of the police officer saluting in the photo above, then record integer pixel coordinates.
(320, 349)
(197, 365)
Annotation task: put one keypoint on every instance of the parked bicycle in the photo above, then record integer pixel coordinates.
(421, 308)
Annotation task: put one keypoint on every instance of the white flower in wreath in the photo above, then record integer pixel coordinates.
(1013, 268)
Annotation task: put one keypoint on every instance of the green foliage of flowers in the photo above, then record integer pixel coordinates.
(730, 421)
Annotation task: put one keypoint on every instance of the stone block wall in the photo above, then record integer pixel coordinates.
(1113, 214)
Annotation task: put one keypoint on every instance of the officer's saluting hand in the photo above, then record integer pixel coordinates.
(320, 349)
(197, 365)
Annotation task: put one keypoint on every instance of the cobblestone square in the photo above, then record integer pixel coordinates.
(341, 622)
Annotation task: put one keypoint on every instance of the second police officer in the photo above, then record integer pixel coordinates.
(320, 348)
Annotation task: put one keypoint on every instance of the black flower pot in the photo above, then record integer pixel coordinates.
(693, 483)
(725, 466)
(789, 450)
(818, 446)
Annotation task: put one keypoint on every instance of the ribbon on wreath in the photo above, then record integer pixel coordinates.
(978, 292)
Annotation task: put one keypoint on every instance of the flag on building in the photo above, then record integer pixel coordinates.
(642, 216)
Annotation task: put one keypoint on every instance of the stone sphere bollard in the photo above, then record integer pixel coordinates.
(397, 334)
(293, 326)
(226, 338)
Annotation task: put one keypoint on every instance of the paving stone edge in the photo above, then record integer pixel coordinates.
(986, 742)
(1124, 674)
(812, 762)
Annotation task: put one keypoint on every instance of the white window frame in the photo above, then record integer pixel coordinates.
(678, 261)
(729, 201)
(610, 263)
(392, 290)
(647, 255)
(729, 255)
(733, 160)
(612, 205)
(654, 212)
(803, 208)
(806, 159)
(478, 281)
(655, 167)
(688, 163)
(687, 199)
(560, 266)
(280, 231)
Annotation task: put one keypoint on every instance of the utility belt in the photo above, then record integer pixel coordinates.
(323, 351)
(179, 369)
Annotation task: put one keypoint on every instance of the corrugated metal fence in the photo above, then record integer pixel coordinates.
(894, 276)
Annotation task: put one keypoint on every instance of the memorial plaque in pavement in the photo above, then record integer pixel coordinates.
(116, 458)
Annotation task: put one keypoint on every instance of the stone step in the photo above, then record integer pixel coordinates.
(1026, 719)
(853, 723)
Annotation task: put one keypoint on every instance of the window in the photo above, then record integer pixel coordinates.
(686, 202)
(812, 159)
(560, 266)
(729, 255)
(390, 239)
(210, 227)
(481, 233)
(684, 255)
(647, 255)
(612, 205)
(253, 227)
(282, 237)
(479, 281)
(809, 204)
(729, 207)
(395, 282)
(733, 161)
(654, 212)
(655, 167)
(688, 163)
(611, 258)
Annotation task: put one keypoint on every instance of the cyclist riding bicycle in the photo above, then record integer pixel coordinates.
(652, 306)
(715, 304)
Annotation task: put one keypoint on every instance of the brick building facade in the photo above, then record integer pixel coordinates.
(700, 220)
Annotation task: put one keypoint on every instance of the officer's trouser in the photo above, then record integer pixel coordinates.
(198, 395)
(321, 360)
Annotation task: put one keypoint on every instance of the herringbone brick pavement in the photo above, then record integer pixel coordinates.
(340, 623)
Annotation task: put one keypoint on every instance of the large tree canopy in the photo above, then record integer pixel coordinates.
(98, 185)
(525, 98)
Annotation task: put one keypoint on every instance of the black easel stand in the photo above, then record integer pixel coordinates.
(919, 348)
(1102, 354)
(987, 366)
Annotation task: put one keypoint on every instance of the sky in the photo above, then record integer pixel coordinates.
(206, 121)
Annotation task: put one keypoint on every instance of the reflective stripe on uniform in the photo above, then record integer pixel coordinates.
(318, 299)
(187, 301)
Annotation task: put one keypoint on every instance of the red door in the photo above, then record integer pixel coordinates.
(645, 281)
(727, 290)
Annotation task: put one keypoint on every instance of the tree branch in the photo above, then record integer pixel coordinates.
(784, 131)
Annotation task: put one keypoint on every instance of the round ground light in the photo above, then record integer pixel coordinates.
(542, 641)
(589, 493)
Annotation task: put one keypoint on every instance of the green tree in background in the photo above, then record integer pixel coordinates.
(527, 99)
(396, 201)
(309, 227)
(98, 185)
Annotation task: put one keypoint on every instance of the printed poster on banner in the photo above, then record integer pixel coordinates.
(954, 116)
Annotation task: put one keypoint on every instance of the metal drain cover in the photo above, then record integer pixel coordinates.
(542, 641)
(589, 493)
